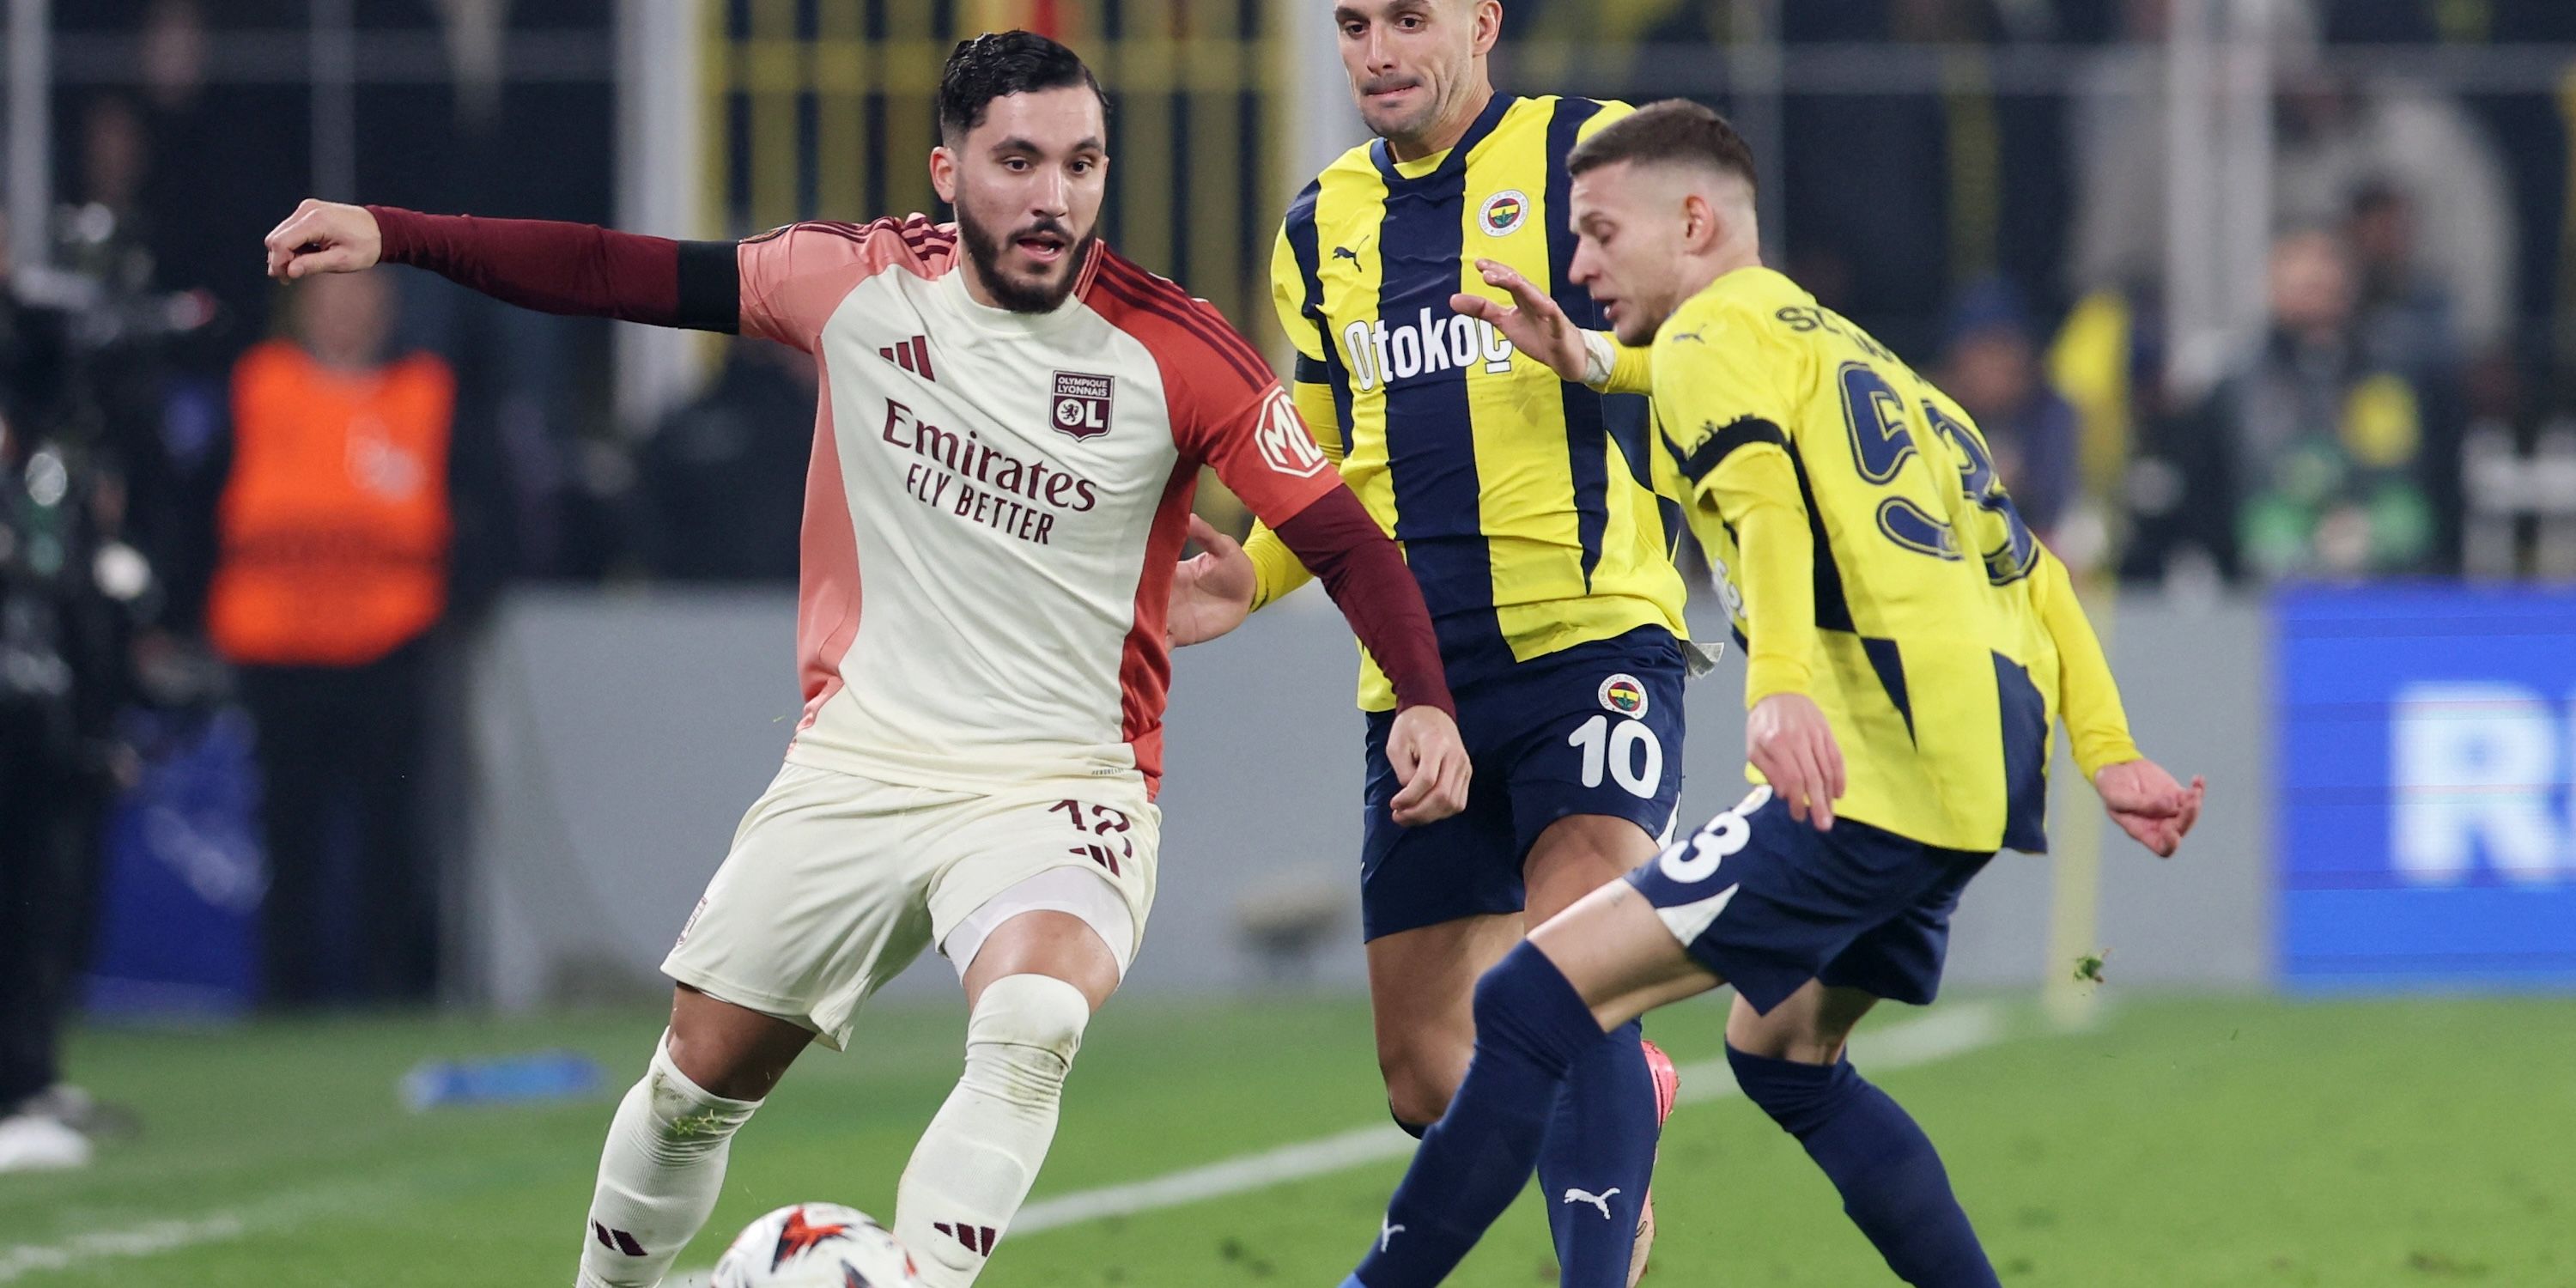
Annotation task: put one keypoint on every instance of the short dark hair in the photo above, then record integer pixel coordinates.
(1675, 129)
(1000, 63)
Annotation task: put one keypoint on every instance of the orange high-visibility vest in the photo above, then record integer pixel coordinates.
(334, 525)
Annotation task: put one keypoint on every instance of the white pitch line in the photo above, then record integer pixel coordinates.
(140, 1241)
(1934, 1037)
(1953, 1031)
(283, 1212)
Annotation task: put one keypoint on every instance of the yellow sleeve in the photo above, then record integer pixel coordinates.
(1288, 299)
(1755, 490)
(2087, 698)
(1632, 371)
(1721, 394)
(1276, 570)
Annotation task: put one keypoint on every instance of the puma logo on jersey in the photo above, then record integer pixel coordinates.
(1386, 1233)
(1381, 352)
(912, 355)
(1345, 252)
(1601, 1200)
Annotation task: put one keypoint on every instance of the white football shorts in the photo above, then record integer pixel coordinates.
(835, 883)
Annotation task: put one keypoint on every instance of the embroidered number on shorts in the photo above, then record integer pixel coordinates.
(1696, 857)
(1106, 824)
(1614, 745)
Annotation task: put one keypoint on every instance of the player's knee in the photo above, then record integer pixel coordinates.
(1024, 1034)
(1512, 987)
(1417, 1093)
(682, 1119)
(1798, 1096)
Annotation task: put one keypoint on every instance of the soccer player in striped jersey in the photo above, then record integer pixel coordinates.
(1526, 509)
(1012, 419)
(1909, 647)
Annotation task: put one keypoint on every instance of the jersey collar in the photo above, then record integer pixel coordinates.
(1384, 157)
(950, 290)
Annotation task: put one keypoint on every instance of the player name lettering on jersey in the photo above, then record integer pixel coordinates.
(1380, 354)
(980, 483)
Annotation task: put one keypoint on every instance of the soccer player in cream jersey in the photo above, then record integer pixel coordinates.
(1011, 422)
(1526, 507)
(1909, 647)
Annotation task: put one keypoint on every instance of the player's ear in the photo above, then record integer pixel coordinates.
(1699, 222)
(1489, 25)
(943, 173)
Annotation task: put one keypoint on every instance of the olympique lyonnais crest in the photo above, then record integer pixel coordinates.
(1081, 405)
(1622, 693)
(1504, 212)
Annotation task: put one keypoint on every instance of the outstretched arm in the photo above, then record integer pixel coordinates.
(552, 267)
(2142, 798)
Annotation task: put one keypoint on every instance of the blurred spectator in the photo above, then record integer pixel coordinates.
(723, 476)
(2405, 317)
(2312, 460)
(334, 533)
(2335, 136)
(1991, 365)
(2339, 139)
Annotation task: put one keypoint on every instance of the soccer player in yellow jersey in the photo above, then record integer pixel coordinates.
(1526, 508)
(1909, 646)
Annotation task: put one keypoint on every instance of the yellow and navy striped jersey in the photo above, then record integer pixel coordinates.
(1871, 559)
(1524, 504)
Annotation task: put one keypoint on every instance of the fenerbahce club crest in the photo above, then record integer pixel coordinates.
(1622, 693)
(1081, 404)
(1504, 213)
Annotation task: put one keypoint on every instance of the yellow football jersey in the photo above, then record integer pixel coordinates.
(1871, 559)
(1524, 504)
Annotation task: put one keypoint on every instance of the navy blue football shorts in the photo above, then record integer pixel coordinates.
(1769, 902)
(1592, 729)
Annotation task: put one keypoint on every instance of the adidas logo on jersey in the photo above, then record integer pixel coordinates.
(1380, 353)
(979, 1239)
(912, 355)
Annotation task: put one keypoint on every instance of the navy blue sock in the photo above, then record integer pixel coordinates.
(1891, 1179)
(1531, 1029)
(1597, 1159)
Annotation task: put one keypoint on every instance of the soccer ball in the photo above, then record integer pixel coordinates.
(815, 1245)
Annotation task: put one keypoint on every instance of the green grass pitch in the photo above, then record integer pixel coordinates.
(2183, 1141)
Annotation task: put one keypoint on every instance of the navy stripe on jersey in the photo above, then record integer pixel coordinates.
(1430, 427)
(1586, 443)
(1833, 612)
(1885, 659)
(1484, 124)
(2025, 718)
(1696, 464)
(1304, 245)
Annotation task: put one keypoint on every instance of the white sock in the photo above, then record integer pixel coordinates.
(658, 1176)
(973, 1166)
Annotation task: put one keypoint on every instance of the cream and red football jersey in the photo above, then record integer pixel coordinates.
(997, 501)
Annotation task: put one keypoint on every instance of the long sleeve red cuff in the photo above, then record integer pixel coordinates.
(578, 269)
(1365, 574)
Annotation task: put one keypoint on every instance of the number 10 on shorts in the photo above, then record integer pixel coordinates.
(1626, 748)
